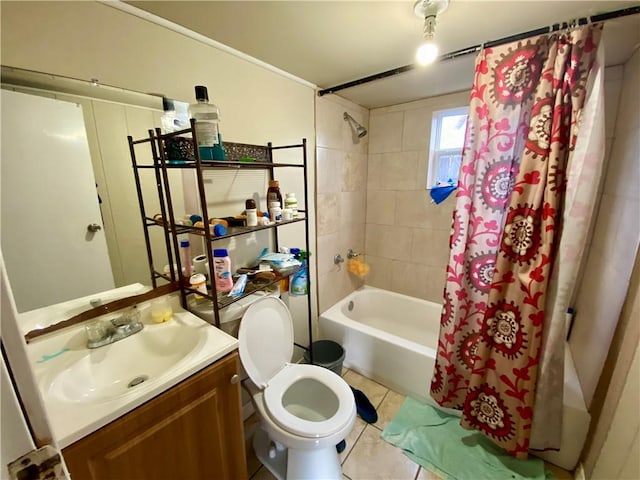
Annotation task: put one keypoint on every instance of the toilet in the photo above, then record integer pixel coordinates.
(305, 410)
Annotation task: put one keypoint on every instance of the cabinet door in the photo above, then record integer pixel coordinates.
(193, 431)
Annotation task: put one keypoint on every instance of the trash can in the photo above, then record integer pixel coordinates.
(327, 354)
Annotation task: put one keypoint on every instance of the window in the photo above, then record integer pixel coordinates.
(445, 150)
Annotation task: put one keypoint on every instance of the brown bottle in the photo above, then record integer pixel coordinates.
(273, 193)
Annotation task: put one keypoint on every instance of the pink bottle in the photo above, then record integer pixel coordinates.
(186, 257)
(222, 270)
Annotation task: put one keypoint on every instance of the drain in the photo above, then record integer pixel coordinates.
(350, 306)
(137, 381)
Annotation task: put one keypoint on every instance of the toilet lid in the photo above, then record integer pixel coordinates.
(266, 339)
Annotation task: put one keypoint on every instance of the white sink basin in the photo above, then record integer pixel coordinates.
(84, 389)
(118, 369)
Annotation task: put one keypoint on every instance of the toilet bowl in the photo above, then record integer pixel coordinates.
(305, 410)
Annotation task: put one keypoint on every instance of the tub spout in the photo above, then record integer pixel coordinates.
(352, 254)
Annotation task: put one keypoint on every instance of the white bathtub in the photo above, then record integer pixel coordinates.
(391, 338)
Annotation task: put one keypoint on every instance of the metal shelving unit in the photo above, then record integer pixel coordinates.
(160, 167)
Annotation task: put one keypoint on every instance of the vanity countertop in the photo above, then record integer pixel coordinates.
(85, 389)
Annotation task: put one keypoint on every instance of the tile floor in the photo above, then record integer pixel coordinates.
(366, 456)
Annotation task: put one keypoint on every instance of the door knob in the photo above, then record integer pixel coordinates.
(235, 378)
(93, 227)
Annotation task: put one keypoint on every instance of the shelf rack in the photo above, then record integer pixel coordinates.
(160, 167)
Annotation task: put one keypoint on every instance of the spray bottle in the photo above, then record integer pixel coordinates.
(300, 280)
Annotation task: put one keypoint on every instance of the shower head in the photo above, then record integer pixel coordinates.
(360, 130)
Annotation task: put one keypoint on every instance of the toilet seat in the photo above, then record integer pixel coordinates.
(280, 384)
(266, 345)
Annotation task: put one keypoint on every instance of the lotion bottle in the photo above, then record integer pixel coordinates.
(222, 270)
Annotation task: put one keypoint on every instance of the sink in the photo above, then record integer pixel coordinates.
(84, 389)
(113, 370)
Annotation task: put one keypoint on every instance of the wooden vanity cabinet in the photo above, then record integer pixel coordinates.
(192, 431)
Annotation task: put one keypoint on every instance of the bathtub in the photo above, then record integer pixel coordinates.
(391, 338)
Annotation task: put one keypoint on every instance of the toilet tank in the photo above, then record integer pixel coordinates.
(230, 316)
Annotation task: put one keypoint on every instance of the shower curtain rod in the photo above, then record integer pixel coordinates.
(469, 50)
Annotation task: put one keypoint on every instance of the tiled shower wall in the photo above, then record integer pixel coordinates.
(341, 176)
(407, 236)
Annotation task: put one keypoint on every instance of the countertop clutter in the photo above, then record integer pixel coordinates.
(85, 389)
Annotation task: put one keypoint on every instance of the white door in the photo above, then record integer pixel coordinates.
(48, 201)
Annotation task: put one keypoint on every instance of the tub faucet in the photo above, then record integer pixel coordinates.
(337, 260)
(351, 254)
(106, 332)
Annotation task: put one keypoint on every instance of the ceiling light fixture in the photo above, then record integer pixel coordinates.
(428, 10)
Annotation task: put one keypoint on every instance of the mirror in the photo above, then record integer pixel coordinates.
(110, 114)
(55, 154)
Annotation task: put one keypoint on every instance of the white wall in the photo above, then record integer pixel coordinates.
(619, 455)
(92, 40)
(617, 230)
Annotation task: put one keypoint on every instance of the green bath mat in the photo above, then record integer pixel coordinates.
(436, 441)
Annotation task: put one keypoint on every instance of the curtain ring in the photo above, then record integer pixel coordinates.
(572, 25)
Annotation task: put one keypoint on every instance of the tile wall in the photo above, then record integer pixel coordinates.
(617, 230)
(341, 176)
(407, 236)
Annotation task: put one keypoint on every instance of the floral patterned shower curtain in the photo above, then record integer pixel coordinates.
(524, 115)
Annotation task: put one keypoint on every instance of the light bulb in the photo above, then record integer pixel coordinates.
(427, 52)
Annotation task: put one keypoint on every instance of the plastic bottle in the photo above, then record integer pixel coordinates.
(186, 256)
(299, 284)
(252, 213)
(291, 202)
(273, 193)
(207, 118)
(198, 282)
(222, 270)
(177, 149)
(275, 212)
(168, 118)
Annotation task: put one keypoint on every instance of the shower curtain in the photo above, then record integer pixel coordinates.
(525, 113)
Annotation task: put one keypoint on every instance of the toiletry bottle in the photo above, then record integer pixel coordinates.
(186, 256)
(300, 280)
(275, 212)
(177, 149)
(198, 282)
(252, 212)
(291, 202)
(273, 193)
(222, 270)
(168, 118)
(207, 118)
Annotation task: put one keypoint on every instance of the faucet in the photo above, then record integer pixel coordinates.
(106, 332)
